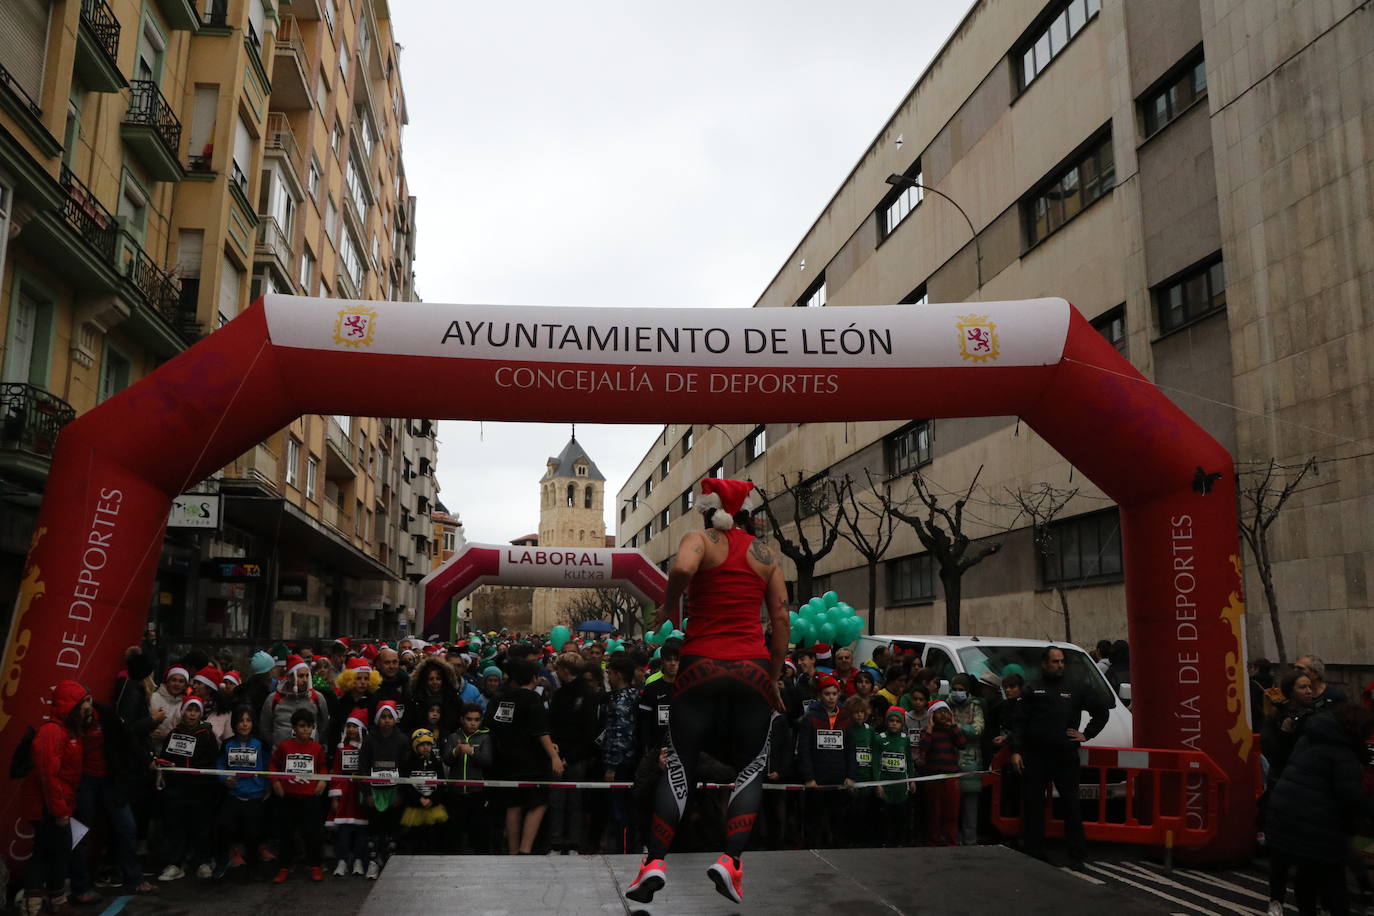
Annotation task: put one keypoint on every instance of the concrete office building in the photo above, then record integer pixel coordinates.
(1195, 176)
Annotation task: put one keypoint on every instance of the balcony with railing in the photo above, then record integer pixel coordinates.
(87, 216)
(291, 89)
(168, 325)
(30, 419)
(153, 131)
(97, 48)
(281, 139)
(338, 463)
(16, 102)
(274, 243)
(258, 468)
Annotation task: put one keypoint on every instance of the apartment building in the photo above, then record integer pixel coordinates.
(162, 164)
(1194, 175)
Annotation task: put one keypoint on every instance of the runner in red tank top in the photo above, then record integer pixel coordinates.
(727, 675)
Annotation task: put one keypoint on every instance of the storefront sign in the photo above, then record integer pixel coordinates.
(196, 510)
(234, 569)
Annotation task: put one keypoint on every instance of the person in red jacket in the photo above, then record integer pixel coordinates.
(298, 811)
(50, 796)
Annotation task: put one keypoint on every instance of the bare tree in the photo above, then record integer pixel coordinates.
(622, 608)
(821, 501)
(1042, 503)
(861, 517)
(1262, 495)
(941, 532)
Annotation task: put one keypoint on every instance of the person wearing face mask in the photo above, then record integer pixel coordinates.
(968, 717)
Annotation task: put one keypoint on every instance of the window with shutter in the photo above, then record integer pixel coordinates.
(24, 42)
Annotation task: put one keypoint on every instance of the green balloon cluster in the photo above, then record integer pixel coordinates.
(559, 636)
(825, 619)
(663, 634)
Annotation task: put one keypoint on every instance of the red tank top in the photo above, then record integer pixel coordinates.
(723, 606)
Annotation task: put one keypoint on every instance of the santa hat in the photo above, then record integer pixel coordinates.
(177, 669)
(431, 649)
(730, 496)
(358, 717)
(827, 681)
(359, 665)
(345, 642)
(210, 676)
(295, 661)
(192, 700)
(822, 651)
(387, 705)
(405, 652)
(895, 710)
(788, 663)
(369, 652)
(938, 705)
(232, 679)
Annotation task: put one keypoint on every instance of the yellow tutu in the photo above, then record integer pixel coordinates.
(424, 817)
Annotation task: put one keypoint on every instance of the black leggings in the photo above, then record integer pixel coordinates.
(733, 699)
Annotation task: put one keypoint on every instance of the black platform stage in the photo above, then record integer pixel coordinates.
(983, 880)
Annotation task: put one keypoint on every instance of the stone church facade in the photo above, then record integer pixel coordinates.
(572, 496)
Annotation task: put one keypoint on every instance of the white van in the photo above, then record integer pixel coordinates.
(975, 655)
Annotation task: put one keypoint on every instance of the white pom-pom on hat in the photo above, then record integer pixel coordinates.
(729, 496)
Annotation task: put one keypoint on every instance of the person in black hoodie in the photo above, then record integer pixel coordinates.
(1314, 806)
(132, 709)
(573, 726)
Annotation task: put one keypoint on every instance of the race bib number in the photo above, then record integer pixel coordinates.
(829, 739)
(181, 745)
(300, 764)
(385, 773)
(505, 712)
(663, 714)
(425, 791)
(350, 761)
(242, 758)
(863, 757)
(894, 761)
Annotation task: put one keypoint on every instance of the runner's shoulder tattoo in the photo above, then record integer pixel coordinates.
(761, 553)
(713, 534)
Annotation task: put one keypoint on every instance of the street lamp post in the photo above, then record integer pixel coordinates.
(902, 181)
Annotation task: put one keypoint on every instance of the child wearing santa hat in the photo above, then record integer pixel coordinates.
(347, 817)
(186, 799)
(385, 755)
(942, 741)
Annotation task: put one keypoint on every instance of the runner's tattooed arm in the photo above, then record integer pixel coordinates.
(685, 565)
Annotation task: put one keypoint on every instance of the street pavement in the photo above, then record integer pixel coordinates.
(1120, 880)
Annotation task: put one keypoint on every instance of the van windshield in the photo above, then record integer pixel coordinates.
(1078, 667)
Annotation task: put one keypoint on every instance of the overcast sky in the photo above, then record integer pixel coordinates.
(628, 154)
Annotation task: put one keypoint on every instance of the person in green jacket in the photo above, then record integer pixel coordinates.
(893, 751)
(863, 767)
(468, 755)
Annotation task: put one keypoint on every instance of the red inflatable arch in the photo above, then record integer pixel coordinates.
(553, 567)
(91, 565)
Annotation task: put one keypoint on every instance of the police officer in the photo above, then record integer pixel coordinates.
(1044, 741)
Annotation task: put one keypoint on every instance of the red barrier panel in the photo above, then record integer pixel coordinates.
(1129, 795)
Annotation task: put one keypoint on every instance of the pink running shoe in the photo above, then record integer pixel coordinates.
(729, 878)
(653, 874)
